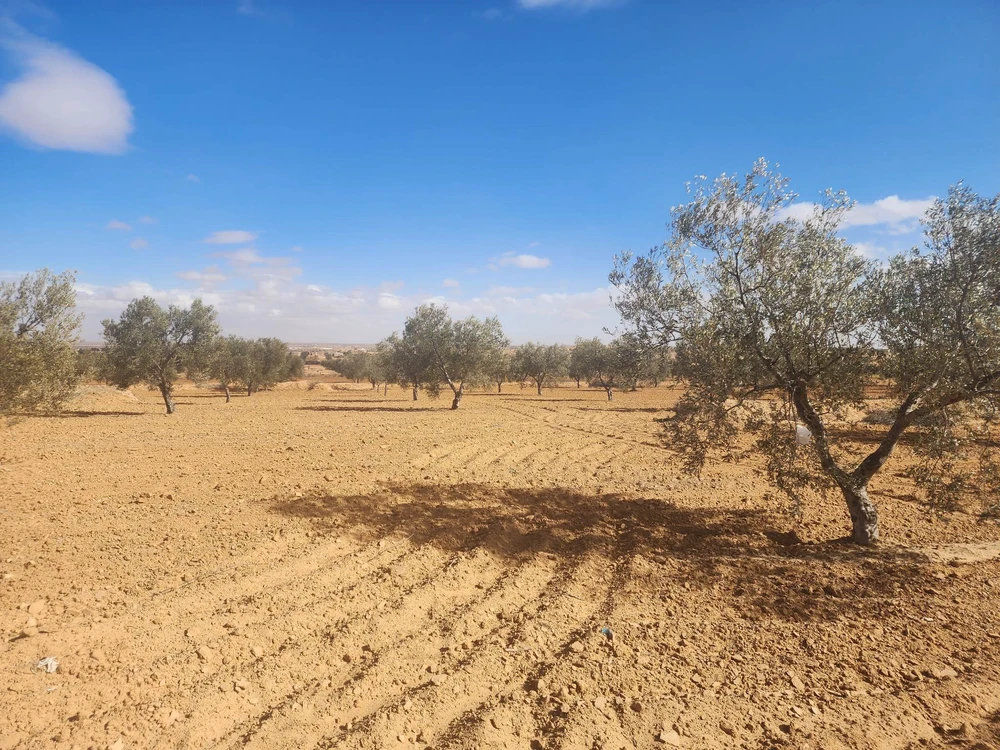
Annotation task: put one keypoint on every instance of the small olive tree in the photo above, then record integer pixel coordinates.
(543, 364)
(780, 324)
(409, 364)
(227, 362)
(609, 366)
(152, 345)
(38, 331)
(459, 351)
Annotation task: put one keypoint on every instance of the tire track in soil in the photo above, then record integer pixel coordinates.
(431, 705)
(549, 420)
(457, 565)
(188, 688)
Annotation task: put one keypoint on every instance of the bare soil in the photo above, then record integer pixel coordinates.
(328, 568)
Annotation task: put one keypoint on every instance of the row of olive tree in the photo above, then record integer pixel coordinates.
(778, 324)
(153, 345)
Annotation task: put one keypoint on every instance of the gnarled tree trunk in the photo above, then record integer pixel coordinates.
(226, 386)
(455, 402)
(168, 397)
(611, 393)
(415, 390)
(539, 383)
(864, 514)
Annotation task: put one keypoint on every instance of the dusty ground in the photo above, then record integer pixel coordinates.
(326, 569)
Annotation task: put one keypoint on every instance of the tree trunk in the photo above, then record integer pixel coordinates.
(249, 391)
(539, 382)
(499, 389)
(864, 515)
(611, 393)
(168, 397)
(414, 393)
(458, 397)
(226, 386)
(578, 382)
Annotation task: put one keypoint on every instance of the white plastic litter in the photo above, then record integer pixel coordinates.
(50, 664)
(802, 434)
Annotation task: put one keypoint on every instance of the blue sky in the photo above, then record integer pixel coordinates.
(315, 170)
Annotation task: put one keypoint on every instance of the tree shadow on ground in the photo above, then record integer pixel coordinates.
(81, 413)
(735, 555)
(612, 408)
(536, 399)
(374, 407)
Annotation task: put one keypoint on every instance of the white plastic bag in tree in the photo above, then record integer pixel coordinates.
(802, 434)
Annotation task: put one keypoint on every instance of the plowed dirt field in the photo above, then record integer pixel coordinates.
(328, 568)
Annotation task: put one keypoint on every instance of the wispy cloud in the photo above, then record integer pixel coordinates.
(207, 277)
(897, 215)
(148, 220)
(451, 283)
(119, 226)
(193, 178)
(61, 101)
(246, 255)
(581, 5)
(230, 237)
(249, 8)
(492, 14)
(138, 244)
(524, 260)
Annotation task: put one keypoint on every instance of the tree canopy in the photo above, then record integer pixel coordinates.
(38, 332)
(761, 305)
(152, 345)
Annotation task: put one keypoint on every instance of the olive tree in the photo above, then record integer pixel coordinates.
(608, 366)
(148, 344)
(541, 363)
(227, 361)
(38, 331)
(459, 351)
(779, 324)
(409, 364)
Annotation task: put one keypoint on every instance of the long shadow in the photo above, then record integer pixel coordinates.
(736, 554)
(81, 413)
(542, 398)
(641, 409)
(370, 408)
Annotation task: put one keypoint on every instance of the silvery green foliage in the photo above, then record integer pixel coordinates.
(38, 330)
(542, 363)
(459, 352)
(148, 344)
(777, 322)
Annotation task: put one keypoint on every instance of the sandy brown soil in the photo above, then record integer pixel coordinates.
(327, 569)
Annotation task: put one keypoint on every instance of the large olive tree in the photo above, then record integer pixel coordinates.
(780, 324)
(148, 344)
(38, 331)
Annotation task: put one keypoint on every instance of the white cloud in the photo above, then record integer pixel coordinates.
(492, 14)
(388, 301)
(451, 283)
(246, 255)
(193, 178)
(899, 216)
(230, 237)
(119, 225)
(523, 260)
(148, 220)
(61, 101)
(139, 243)
(583, 5)
(296, 248)
(209, 276)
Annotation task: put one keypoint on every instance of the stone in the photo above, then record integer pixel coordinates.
(669, 737)
(947, 673)
(257, 651)
(796, 682)
(727, 727)
(600, 702)
(205, 653)
(193, 632)
(576, 646)
(99, 656)
(36, 608)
